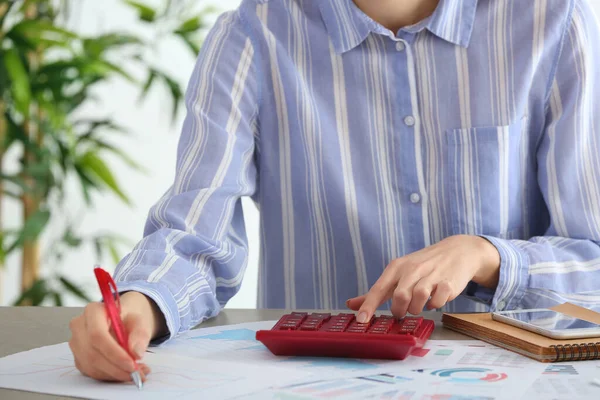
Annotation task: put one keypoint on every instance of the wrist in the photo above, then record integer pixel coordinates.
(136, 302)
(488, 273)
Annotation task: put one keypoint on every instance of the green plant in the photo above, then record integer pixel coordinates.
(47, 74)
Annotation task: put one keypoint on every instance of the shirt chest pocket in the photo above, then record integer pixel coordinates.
(485, 182)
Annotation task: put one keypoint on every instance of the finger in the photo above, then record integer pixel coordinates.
(380, 292)
(440, 296)
(102, 341)
(77, 326)
(139, 335)
(106, 370)
(144, 371)
(96, 373)
(355, 302)
(402, 295)
(420, 295)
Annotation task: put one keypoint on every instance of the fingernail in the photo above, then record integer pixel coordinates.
(362, 317)
(347, 303)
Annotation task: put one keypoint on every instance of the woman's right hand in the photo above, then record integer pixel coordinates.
(97, 352)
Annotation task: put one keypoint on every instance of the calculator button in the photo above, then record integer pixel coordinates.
(287, 327)
(355, 330)
(311, 324)
(379, 329)
(308, 328)
(323, 316)
(299, 314)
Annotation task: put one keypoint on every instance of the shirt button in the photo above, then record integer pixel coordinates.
(410, 120)
(400, 46)
(501, 305)
(415, 198)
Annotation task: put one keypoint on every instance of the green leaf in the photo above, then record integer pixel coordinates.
(191, 43)
(17, 134)
(20, 80)
(174, 88)
(71, 240)
(40, 29)
(31, 229)
(94, 164)
(10, 194)
(176, 95)
(35, 294)
(21, 41)
(74, 289)
(86, 182)
(114, 252)
(2, 252)
(94, 126)
(97, 46)
(37, 32)
(98, 249)
(57, 299)
(121, 154)
(8, 6)
(145, 12)
(148, 84)
(191, 25)
(104, 68)
(17, 181)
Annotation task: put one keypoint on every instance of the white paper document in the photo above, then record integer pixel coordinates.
(228, 363)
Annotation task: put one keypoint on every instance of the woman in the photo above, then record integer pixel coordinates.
(432, 153)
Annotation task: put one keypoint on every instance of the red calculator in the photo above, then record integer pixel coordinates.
(323, 334)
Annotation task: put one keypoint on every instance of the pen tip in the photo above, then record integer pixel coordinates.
(137, 379)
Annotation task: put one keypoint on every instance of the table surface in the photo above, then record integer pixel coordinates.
(25, 328)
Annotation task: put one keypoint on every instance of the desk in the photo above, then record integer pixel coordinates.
(25, 328)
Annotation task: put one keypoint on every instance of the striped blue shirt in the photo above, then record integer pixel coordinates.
(360, 146)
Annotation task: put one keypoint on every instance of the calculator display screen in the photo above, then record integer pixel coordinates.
(551, 320)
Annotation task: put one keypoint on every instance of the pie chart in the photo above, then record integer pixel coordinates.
(470, 375)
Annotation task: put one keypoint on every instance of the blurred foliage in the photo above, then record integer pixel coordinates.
(48, 73)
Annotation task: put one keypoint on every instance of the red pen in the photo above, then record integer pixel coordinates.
(113, 311)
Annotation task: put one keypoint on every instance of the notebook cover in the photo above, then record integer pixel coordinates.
(481, 326)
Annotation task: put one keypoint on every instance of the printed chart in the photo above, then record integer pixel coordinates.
(495, 357)
(228, 363)
(379, 386)
(239, 343)
(567, 381)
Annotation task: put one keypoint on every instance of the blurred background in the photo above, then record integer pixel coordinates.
(90, 115)
(87, 97)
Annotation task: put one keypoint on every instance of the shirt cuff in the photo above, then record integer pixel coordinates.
(514, 275)
(479, 293)
(163, 298)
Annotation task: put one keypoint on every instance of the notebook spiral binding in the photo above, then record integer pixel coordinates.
(577, 352)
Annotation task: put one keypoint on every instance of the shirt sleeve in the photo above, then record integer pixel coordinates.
(194, 251)
(564, 264)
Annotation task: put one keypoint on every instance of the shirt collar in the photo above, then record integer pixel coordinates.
(348, 26)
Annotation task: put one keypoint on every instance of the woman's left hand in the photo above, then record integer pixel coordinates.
(434, 276)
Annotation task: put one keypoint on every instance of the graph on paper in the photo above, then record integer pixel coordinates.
(228, 363)
(379, 386)
(494, 358)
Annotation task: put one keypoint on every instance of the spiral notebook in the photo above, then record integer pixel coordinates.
(481, 326)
